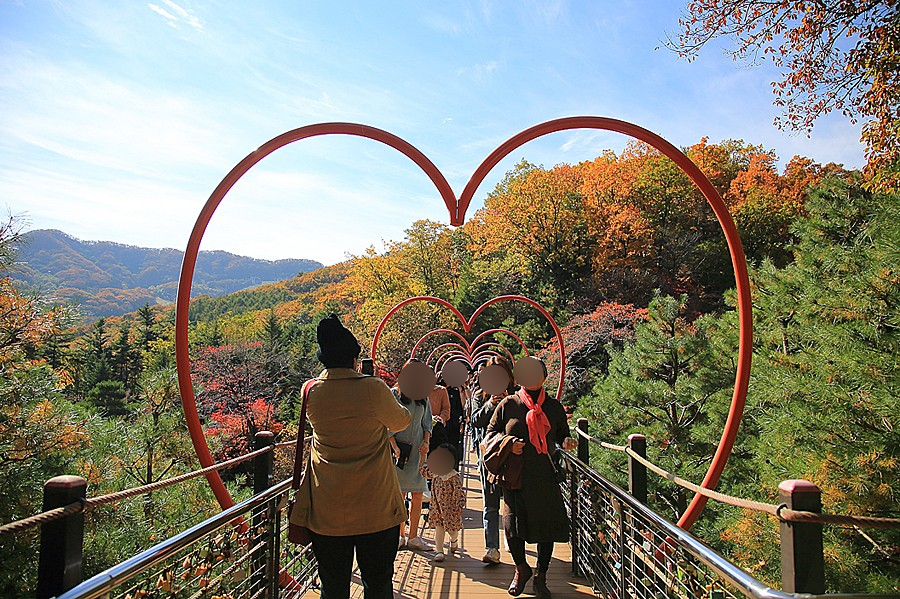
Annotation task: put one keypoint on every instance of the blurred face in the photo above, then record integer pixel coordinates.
(440, 461)
(529, 373)
(454, 373)
(416, 380)
(494, 380)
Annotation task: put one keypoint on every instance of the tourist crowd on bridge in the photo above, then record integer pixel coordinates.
(378, 454)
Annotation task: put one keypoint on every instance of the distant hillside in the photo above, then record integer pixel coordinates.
(306, 293)
(109, 279)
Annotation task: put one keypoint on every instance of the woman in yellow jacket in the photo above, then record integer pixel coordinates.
(351, 500)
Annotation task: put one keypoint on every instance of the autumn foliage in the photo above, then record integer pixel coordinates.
(629, 258)
(837, 55)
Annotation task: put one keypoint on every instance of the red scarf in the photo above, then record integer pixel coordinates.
(538, 424)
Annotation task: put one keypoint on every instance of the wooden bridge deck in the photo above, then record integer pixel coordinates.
(416, 576)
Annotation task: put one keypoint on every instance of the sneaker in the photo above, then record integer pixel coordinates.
(402, 543)
(492, 556)
(439, 557)
(416, 544)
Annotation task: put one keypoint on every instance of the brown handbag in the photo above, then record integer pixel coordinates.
(299, 535)
(503, 467)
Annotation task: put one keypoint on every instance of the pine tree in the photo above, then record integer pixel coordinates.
(126, 360)
(827, 372)
(147, 333)
(670, 384)
(97, 356)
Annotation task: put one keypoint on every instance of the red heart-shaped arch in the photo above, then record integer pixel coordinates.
(468, 323)
(457, 211)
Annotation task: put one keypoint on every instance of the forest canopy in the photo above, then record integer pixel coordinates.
(625, 253)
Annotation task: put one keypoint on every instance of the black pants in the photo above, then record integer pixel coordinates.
(517, 550)
(375, 554)
(453, 438)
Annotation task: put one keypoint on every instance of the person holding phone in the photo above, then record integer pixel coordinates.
(352, 418)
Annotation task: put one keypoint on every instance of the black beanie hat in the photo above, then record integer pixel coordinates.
(337, 345)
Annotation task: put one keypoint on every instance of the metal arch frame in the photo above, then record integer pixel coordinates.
(451, 355)
(469, 346)
(412, 354)
(457, 210)
(468, 323)
(505, 332)
(468, 352)
(485, 352)
(444, 346)
(471, 360)
(188, 265)
(484, 346)
(735, 249)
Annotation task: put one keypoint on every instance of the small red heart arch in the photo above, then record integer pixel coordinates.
(468, 323)
(457, 210)
(447, 351)
(469, 347)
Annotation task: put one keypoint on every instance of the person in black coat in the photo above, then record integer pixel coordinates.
(482, 410)
(535, 513)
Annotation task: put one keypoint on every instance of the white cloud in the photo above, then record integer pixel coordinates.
(278, 214)
(81, 116)
(591, 140)
(110, 125)
(442, 24)
(547, 12)
(480, 72)
(181, 15)
(162, 12)
(136, 211)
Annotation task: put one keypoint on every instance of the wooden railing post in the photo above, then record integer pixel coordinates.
(637, 472)
(59, 565)
(574, 484)
(262, 535)
(264, 464)
(637, 488)
(584, 449)
(802, 557)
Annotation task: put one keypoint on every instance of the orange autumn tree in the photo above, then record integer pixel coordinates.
(652, 225)
(41, 434)
(586, 338)
(536, 217)
(624, 236)
(237, 393)
(838, 55)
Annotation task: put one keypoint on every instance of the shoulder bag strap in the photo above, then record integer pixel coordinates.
(301, 433)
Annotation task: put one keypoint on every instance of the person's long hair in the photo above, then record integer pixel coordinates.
(501, 361)
(400, 396)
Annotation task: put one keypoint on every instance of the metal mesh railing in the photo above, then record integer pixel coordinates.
(241, 553)
(624, 552)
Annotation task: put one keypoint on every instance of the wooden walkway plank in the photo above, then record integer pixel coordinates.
(416, 576)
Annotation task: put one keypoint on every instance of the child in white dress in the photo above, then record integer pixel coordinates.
(448, 498)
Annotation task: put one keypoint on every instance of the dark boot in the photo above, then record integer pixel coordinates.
(523, 573)
(540, 586)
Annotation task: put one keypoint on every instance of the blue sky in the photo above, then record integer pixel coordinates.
(119, 118)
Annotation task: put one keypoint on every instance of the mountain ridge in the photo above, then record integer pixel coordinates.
(107, 278)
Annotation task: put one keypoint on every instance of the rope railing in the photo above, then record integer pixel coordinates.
(597, 441)
(780, 511)
(87, 505)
